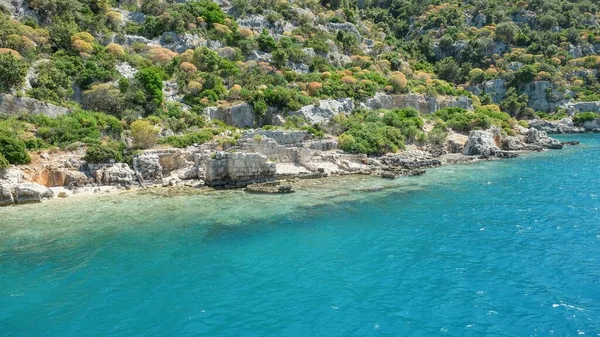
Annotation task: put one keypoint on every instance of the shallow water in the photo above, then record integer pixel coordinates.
(508, 248)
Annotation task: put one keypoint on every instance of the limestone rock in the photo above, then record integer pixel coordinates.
(6, 194)
(282, 137)
(148, 166)
(564, 125)
(345, 26)
(14, 105)
(52, 176)
(112, 174)
(422, 103)
(326, 109)
(575, 107)
(126, 70)
(239, 169)
(483, 143)
(543, 96)
(593, 125)
(537, 137)
(32, 192)
(240, 115)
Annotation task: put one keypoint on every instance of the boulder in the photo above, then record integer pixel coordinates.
(112, 174)
(593, 125)
(17, 106)
(537, 137)
(240, 115)
(148, 166)
(6, 194)
(483, 143)
(51, 176)
(32, 192)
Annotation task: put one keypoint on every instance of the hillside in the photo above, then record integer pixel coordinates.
(108, 78)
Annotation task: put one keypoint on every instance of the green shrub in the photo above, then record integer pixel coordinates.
(100, 153)
(4, 164)
(582, 117)
(144, 134)
(371, 138)
(12, 72)
(189, 139)
(13, 150)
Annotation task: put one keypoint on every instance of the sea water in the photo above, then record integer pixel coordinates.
(502, 248)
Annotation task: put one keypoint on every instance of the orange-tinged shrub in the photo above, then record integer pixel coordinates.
(82, 46)
(314, 87)
(13, 52)
(349, 80)
(115, 49)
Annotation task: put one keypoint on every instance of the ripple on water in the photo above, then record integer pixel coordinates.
(494, 248)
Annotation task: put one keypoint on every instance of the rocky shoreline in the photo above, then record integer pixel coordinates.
(263, 161)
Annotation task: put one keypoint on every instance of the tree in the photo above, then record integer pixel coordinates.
(151, 82)
(265, 41)
(12, 72)
(448, 69)
(144, 134)
(103, 97)
(507, 32)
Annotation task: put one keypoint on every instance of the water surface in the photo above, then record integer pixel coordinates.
(503, 248)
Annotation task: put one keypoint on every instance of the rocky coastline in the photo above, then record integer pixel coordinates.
(262, 161)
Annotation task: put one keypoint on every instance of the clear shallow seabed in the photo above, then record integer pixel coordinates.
(503, 248)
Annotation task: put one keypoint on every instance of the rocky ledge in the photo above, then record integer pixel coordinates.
(260, 159)
(269, 188)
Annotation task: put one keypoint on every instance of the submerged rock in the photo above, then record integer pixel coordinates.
(269, 188)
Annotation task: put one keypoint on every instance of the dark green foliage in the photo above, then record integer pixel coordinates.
(266, 42)
(373, 138)
(407, 120)
(150, 80)
(51, 84)
(77, 126)
(13, 149)
(582, 117)
(12, 72)
(101, 153)
(4, 164)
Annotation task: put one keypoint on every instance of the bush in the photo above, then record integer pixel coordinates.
(371, 138)
(13, 150)
(100, 153)
(12, 72)
(144, 134)
(582, 117)
(4, 164)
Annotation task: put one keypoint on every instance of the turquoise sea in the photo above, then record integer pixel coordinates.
(502, 248)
